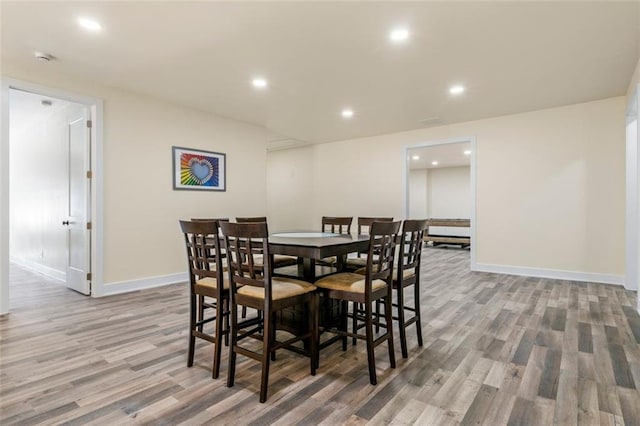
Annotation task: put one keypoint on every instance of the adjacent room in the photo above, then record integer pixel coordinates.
(319, 212)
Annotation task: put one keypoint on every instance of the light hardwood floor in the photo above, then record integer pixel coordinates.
(498, 349)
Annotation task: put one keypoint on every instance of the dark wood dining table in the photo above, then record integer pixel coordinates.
(310, 246)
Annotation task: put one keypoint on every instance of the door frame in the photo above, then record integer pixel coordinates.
(472, 172)
(95, 106)
(632, 223)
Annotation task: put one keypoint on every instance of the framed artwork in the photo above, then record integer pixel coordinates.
(198, 170)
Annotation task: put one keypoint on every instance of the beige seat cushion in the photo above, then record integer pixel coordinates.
(347, 281)
(328, 261)
(406, 274)
(281, 288)
(279, 260)
(208, 286)
(357, 262)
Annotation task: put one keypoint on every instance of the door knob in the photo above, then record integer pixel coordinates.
(65, 222)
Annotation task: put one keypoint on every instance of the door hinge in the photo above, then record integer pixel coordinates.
(89, 174)
(89, 276)
(89, 225)
(89, 124)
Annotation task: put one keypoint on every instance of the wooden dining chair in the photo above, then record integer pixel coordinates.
(334, 225)
(208, 289)
(407, 274)
(251, 219)
(279, 260)
(359, 260)
(376, 284)
(364, 225)
(337, 225)
(252, 284)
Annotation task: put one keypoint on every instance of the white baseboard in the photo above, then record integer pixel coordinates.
(557, 274)
(143, 283)
(40, 269)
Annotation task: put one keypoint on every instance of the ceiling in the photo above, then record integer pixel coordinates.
(447, 155)
(320, 57)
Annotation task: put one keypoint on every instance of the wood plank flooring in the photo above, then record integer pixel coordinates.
(498, 349)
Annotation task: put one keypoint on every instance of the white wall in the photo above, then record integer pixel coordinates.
(449, 193)
(288, 184)
(418, 184)
(39, 182)
(550, 186)
(142, 242)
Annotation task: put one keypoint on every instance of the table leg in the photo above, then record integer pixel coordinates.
(308, 269)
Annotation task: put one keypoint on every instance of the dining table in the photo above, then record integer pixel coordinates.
(310, 246)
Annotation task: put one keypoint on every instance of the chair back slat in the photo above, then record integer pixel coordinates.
(410, 249)
(202, 242)
(364, 223)
(248, 255)
(336, 225)
(251, 219)
(380, 257)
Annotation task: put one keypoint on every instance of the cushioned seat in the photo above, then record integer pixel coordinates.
(347, 281)
(207, 286)
(406, 273)
(280, 287)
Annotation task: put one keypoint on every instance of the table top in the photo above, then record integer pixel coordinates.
(315, 239)
(316, 245)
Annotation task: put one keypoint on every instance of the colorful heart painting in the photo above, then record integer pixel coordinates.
(194, 169)
(198, 170)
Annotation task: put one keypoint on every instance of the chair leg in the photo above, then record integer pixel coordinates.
(266, 350)
(356, 308)
(226, 312)
(192, 328)
(244, 312)
(343, 322)
(416, 300)
(272, 335)
(371, 358)
(401, 322)
(313, 325)
(220, 305)
(377, 316)
(200, 312)
(231, 373)
(389, 316)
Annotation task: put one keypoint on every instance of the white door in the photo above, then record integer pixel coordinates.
(77, 222)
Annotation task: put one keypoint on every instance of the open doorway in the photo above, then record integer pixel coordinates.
(49, 188)
(440, 186)
(51, 176)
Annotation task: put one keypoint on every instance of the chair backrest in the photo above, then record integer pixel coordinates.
(364, 223)
(244, 242)
(214, 219)
(337, 225)
(251, 219)
(410, 249)
(380, 256)
(202, 241)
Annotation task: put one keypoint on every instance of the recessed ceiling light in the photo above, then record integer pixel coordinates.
(435, 163)
(259, 83)
(416, 157)
(399, 34)
(89, 24)
(467, 152)
(456, 90)
(347, 113)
